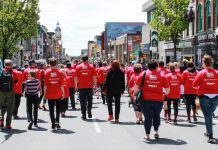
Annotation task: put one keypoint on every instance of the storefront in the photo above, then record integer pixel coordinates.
(206, 43)
(185, 50)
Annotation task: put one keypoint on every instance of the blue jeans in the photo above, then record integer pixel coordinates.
(208, 106)
(151, 111)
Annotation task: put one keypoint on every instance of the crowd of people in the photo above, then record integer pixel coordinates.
(161, 86)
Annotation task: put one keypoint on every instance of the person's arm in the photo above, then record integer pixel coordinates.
(95, 81)
(76, 83)
(196, 81)
(63, 93)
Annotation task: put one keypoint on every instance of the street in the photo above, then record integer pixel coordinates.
(99, 134)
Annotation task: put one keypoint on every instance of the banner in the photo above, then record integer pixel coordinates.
(129, 44)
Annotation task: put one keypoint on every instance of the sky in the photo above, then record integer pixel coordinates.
(81, 20)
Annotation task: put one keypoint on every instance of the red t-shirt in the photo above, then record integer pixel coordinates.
(175, 80)
(206, 81)
(153, 85)
(85, 73)
(18, 85)
(132, 81)
(187, 79)
(54, 79)
(26, 74)
(70, 72)
(97, 73)
(103, 73)
(66, 87)
(163, 70)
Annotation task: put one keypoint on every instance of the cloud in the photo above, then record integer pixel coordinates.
(81, 20)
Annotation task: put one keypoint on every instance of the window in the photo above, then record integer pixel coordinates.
(216, 13)
(208, 15)
(199, 18)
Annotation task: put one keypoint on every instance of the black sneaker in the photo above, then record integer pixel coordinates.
(195, 119)
(53, 126)
(30, 126)
(211, 139)
(58, 126)
(83, 117)
(90, 114)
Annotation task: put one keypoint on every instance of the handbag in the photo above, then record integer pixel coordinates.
(139, 94)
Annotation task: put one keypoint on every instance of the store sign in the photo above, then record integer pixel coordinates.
(206, 37)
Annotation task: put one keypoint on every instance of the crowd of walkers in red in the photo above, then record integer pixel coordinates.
(161, 86)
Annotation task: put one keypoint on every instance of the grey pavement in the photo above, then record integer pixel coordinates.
(99, 134)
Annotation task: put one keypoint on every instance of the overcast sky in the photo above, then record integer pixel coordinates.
(81, 20)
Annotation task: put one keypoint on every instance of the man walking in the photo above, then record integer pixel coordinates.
(70, 72)
(54, 92)
(84, 79)
(8, 79)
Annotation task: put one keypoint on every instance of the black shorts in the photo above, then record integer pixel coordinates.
(136, 106)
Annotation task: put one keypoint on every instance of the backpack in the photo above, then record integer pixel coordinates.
(6, 81)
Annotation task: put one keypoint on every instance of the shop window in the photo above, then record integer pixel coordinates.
(208, 15)
(216, 13)
(200, 23)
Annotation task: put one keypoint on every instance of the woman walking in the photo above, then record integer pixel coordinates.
(190, 93)
(132, 81)
(115, 86)
(207, 84)
(175, 80)
(153, 97)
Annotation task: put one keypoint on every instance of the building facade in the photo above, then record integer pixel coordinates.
(206, 30)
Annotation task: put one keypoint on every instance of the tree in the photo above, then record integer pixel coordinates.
(169, 19)
(18, 20)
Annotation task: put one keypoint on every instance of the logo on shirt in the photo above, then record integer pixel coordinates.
(153, 77)
(53, 74)
(84, 67)
(174, 77)
(210, 75)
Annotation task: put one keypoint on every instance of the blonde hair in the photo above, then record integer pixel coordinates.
(172, 67)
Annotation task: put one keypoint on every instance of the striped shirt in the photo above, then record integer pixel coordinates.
(32, 87)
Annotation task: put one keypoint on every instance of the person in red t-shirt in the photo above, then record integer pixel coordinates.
(66, 85)
(207, 84)
(175, 81)
(17, 90)
(84, 79)
(102, 73)
(54, 92)
(153, 97)
(190, 93)
(164, 72)
(132, 81)
(42, 75)
(71, 72)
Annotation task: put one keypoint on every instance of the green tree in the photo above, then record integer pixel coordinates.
(18, 20)
(169, 20)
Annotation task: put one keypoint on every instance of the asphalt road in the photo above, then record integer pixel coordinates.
(99, 134)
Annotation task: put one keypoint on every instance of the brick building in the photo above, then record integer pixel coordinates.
(206, 29)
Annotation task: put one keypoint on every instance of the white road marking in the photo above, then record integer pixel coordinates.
(97, 128)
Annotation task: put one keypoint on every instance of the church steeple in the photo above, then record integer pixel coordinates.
(58, 31)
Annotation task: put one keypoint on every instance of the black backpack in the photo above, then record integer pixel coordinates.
(6, 81)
